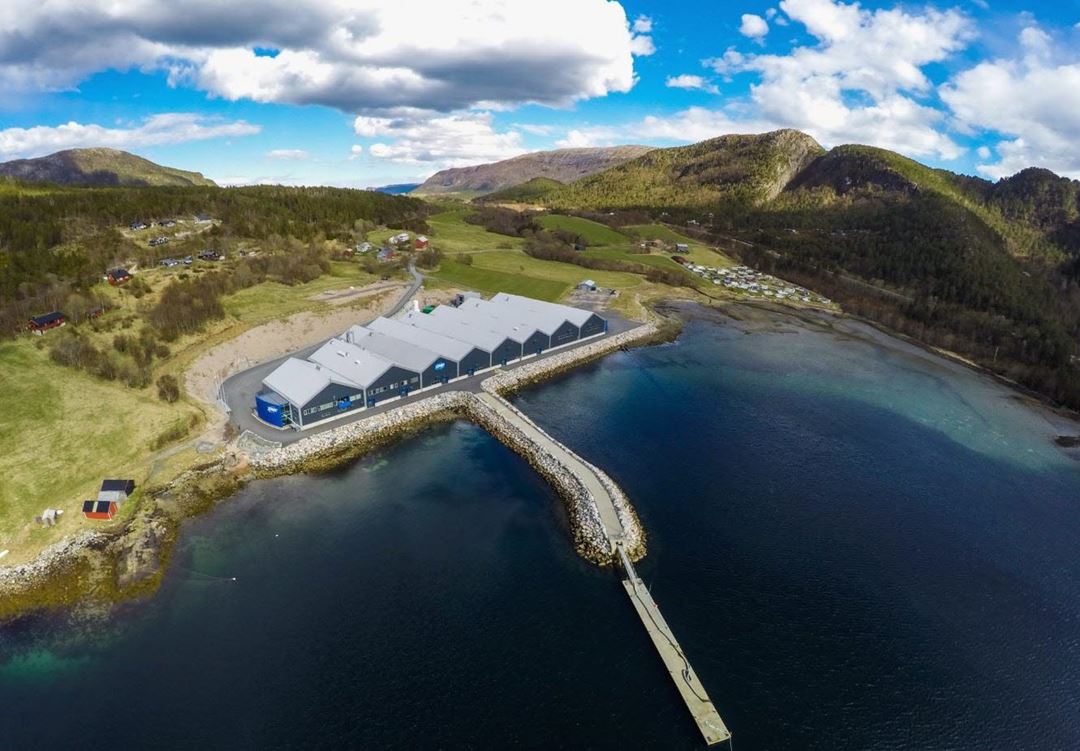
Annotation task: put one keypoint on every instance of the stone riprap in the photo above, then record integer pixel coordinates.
(591, 538)
(508, 381)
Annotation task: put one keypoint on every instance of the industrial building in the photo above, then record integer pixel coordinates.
(391, 358)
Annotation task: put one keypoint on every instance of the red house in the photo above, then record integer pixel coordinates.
(99, 509)
(40, 324)
(119, 276)
(421, 243)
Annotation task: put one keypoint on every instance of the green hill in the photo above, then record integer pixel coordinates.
(591, 232)
(99, 167)
(744, 168)
(530, 191)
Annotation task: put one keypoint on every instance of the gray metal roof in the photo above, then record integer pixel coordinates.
(457, 328)
(355, 364)
(446, 346)
(577, 316)
(526, 318)
(299, 380)
(507, 326)
(395, 350)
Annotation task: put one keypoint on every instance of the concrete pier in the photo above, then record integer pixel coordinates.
(701, 708)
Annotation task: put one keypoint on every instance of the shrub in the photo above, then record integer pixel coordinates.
(168, 388)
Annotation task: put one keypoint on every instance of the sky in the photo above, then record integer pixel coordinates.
(358, 93)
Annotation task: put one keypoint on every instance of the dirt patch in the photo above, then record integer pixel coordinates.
(351, 294)
(275, 339)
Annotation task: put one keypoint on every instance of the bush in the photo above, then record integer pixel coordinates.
(168, 388)
(464, 259)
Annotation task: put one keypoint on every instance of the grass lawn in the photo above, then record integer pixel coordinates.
(451, 234)
(568, 273)
(64, 431)
(594, 233)
(493, 280)
(646, 259)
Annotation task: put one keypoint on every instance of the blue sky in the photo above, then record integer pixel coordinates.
(359, 93)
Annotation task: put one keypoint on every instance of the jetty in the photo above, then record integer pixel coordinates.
(602, 493)
(693, 694)
(606, 529)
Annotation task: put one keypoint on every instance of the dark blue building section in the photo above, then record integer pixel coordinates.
(272, 409)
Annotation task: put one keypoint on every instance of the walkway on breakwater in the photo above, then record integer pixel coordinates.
(605, 503)
(708, 720)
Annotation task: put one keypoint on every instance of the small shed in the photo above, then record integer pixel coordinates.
(116, 490)
(587, 285)
(118, 276)
(681, 247)
(40, 324)
(99, 509)
(421, 243)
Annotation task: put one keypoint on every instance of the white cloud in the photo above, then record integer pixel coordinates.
(289, 155)
(162, 129)
(641, 45)
(356, 151)
(440, 141)
(355, 55)
(862, 81)
(1030, 100)
(598, 135)
(687, 81)
(983, 152)
(643, 25)
(753, 26)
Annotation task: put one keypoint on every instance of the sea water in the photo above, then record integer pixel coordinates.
(858, 545)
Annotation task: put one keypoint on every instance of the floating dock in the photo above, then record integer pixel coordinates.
(701, 708)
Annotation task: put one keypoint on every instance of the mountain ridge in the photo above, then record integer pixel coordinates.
(99, 167)
(563, 165)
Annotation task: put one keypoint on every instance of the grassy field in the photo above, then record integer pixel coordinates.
(493, 280)
(451, 234)
(271, 300)
(64, 431)
(646, 259)
(592, 232)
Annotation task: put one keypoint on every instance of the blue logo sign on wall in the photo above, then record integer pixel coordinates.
(271, 410)
(440, 365)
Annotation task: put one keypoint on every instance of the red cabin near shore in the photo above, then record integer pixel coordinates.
(99, 509)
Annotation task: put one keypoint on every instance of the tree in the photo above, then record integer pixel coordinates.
(168, 389)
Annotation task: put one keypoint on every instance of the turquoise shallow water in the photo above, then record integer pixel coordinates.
(858, 546)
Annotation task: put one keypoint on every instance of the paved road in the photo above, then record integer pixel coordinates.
(239, 390)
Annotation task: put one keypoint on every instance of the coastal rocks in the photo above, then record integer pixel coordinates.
(511, 380)
(124, 562)
(362, 435)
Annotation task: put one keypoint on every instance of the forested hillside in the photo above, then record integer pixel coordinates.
(53, 240)
(991, 270)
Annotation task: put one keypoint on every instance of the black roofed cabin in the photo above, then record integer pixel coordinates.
(116, 491)
(40, 324)
(117, 277)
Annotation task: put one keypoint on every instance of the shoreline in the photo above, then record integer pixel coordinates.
(105, 567)
(111, 566)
